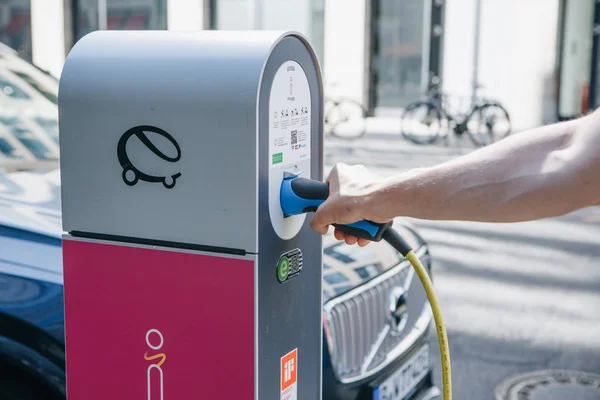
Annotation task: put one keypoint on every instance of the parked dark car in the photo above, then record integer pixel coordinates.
(375, 312)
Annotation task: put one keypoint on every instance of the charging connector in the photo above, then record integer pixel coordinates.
(300, 195)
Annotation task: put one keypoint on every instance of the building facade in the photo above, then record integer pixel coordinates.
(538, 58)
(375, 50)
(43, 31)
(578, 83)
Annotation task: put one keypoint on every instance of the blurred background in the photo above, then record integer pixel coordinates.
(538, 58)
(397, 74)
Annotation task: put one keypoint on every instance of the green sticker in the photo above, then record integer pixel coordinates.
(277, 158)
(283, 269)
(289, 265)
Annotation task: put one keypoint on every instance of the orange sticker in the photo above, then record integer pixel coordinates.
(289, 374)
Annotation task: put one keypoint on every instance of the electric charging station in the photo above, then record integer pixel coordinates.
(182, 277)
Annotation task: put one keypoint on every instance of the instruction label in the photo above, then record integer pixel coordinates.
(289, 116)
(289, 376)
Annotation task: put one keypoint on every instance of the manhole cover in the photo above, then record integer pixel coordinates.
(550, 385)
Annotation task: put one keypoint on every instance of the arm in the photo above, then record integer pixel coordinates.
(540, 173)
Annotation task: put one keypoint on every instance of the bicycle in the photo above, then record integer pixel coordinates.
(344, 118)
(423, 121)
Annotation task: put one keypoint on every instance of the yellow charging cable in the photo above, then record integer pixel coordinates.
(439, 323)
(394, 239)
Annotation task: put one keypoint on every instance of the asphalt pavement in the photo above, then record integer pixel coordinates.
(517, 297)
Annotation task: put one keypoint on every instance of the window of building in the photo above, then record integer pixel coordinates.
(595, 78)
(405, 50)
(577, 36)
(397, 51)
(91, 15)
(15, 26)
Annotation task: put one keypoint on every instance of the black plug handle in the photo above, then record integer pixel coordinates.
(301, 195)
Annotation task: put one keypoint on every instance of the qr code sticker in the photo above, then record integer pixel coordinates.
(294, 139)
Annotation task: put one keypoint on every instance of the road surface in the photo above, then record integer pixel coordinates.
(516, 297)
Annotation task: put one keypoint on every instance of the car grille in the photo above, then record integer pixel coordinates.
(360, 337)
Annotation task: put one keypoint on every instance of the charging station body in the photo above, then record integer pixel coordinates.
(182, 278)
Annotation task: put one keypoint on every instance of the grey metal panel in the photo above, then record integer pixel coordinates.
(201, 88)
(295, 321)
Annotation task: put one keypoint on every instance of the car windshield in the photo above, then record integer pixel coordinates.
(28, 115)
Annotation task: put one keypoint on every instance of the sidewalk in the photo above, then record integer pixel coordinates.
(391, 128)
(383, 148)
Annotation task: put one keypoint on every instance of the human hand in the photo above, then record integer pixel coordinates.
(352, 197)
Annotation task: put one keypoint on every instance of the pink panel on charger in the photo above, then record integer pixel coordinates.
(138, 319)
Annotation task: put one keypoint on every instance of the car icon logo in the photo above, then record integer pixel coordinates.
(131, 174)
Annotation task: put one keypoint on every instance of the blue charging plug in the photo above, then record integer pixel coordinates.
(301, 195)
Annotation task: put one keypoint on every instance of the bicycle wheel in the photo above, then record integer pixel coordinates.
(422, 122)
(488, 123)
(348, 119)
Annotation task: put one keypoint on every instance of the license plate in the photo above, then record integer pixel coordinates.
(402, 382)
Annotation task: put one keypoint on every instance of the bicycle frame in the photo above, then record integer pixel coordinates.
(438, 108)
(456, 122)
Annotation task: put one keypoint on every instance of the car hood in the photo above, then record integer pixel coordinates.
(30, 201)
(346, 267)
